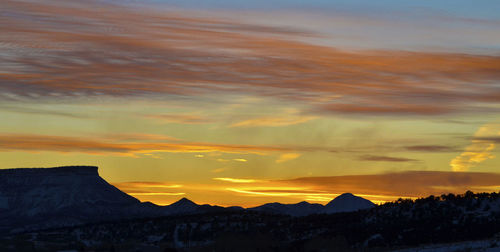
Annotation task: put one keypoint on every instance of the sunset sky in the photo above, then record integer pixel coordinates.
(233, 102)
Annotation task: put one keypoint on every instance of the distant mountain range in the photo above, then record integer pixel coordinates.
(40, 198)
(346, 202)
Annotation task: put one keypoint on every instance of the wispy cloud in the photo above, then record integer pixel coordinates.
(479, 150)
(236, 180)
(287, 157)
(385, 159)
(431, 148)
(180, 118)
(274, 121)
(146, 188)
(240, 160)
(156, 193)
(223, 160)
(73, 51)
(11, 142)
(41, 111)
(146, 184)
(280, 191)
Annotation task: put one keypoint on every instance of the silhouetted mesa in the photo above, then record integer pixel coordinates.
(35, 198)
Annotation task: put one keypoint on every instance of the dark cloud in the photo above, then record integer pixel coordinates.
(385, 159)
(494, 139)
(431, 148)
(394, 109)
(409, 183)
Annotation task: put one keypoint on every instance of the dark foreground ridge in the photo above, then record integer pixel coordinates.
(64, 210)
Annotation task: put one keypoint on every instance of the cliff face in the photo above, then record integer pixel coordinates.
(35, 198)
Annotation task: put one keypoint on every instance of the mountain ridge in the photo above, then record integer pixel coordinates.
(35, 198)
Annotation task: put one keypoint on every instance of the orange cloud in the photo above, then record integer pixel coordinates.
(402, 184)
(155, 189)
(274, 121)
(236, 180)
(278, 191)
(19, 142)
(377, 188)
(74, 51)
(156, 194)
(240, 160)
(479, 150)
(143, 184)
(287, 157)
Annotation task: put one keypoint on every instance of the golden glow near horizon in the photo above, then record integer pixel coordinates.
(233, 109)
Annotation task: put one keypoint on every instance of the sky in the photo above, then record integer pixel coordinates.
(249, 102)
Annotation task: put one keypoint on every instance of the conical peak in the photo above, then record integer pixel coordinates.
(346, 195)
(184, 201)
